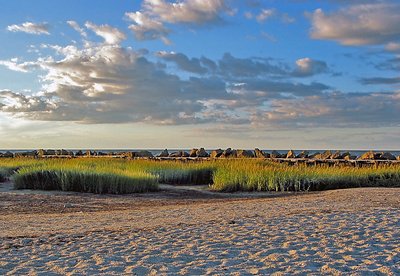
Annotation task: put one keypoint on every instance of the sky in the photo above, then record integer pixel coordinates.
(117, 74)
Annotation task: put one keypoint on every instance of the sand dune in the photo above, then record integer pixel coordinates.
(353, 231)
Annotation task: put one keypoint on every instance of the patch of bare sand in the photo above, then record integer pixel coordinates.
(333, 232)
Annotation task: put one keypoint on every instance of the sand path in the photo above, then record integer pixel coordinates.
(354, 231)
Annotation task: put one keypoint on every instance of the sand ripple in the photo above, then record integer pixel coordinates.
(331, 243)
(241, 241)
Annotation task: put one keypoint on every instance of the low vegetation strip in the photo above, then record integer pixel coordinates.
(267, 176)
(120, 176)
(83, 181)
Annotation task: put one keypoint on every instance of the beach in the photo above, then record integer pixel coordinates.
(183, 232)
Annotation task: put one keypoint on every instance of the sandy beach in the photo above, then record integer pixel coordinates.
(183, 232)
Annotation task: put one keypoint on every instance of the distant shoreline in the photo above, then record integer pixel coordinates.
(296, 156)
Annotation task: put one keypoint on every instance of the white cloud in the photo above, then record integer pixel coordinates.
(105, 83)
(265, 14)
(18, 67)
(193, 11)
(335, 110)
(30, 28)
(77, 28)
(146, 28)
(149, 22)
(393, 47)
(109, 34)
(309, 67)
(360, 24)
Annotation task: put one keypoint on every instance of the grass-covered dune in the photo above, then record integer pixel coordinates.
(119, 176)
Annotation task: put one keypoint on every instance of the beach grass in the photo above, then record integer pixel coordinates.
(254, 175)
(118, 176)
(85, 181)
(105, 175)
(83, 175)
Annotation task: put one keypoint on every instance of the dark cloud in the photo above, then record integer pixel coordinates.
(193, 65)
(308, 67)
(248, 67)
(381, 80)
(238, 68)
(390, 64)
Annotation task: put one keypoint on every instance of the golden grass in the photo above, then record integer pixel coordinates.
(108, 175)
(254, 175)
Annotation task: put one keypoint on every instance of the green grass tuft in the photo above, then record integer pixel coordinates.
(83, 181)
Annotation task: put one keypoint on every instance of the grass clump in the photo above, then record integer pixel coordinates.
(84, 181)
(253, 175)
(88, 175)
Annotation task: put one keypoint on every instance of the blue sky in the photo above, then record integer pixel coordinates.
(190, 73)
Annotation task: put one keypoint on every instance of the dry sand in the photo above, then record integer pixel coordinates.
(179, 232)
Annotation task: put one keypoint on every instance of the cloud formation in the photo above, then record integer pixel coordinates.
(30, 28)
(393, 47)
(146, 28)
(194, 65)
(14, 65)
(109, 34)
(149, 22)
(265, 14)
(381, 80)
(107, 83)
(335, 110)
(309, 67)
(359, 24)
(77, 28)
